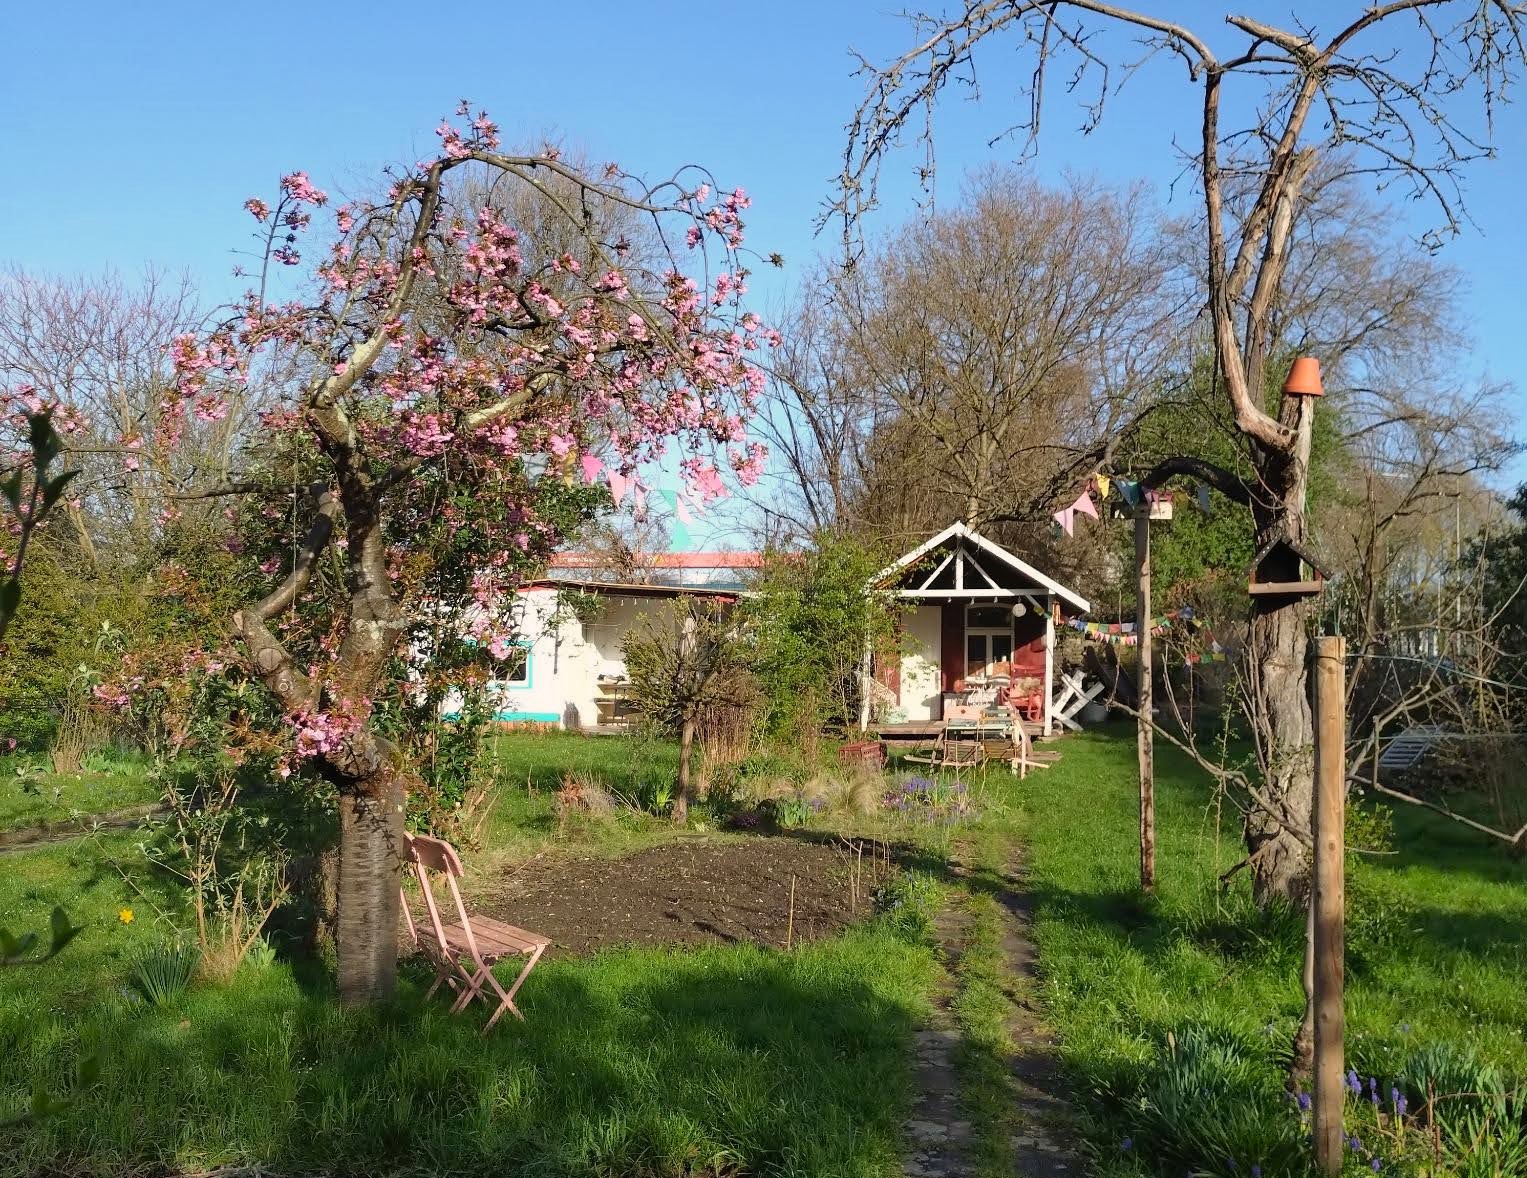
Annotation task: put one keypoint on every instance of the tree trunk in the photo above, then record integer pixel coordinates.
(681, 793)
(1277, 661)
(370, 868)
(1277, 653)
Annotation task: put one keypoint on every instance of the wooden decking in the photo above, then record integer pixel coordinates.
(919, 730)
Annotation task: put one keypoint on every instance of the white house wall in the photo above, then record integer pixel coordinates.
(920, 676)
(565, 659)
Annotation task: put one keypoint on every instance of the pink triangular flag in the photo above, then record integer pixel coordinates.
(682, 510)
(592, 466)
(1084, 505)
(1064, 517)
(619, 484)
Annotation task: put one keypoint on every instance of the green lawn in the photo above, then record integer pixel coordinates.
(29, 797)
(725, 1060)
(1174, 1013)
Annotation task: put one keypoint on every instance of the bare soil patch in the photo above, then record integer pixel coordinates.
(690, 892)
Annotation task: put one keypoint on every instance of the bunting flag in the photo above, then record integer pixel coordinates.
(681, 509)
(619, 484)
(1131, 491)
(1203, 498)
(1103, 482)
(1126, 633)
(1064, 518)
(1084, 505)
(592, 466)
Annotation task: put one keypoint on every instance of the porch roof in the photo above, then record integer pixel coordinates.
(971, 568)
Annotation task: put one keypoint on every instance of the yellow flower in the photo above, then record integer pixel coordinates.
(125, 916)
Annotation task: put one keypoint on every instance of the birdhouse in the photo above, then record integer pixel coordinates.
(1284, 568)
(1159, 504)
(1304, 378)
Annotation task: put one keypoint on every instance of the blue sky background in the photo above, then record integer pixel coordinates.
(135, 131)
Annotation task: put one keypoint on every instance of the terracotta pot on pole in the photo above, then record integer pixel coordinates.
(1304, 378)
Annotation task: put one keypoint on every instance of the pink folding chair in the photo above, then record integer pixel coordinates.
(463, 953)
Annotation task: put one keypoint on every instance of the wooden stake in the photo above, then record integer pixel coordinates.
(790, 923)
(1328, 899)
(1143, 732)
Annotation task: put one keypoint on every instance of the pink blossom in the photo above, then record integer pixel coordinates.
(297, 186)
(258, 209)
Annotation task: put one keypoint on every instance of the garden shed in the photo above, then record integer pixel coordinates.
(977, 615)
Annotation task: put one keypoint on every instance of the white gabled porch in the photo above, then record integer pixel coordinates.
(981, 623)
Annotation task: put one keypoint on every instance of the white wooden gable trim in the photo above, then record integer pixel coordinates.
(959, 532)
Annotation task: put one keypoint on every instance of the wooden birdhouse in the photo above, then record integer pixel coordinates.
(1285, 568)
(1159, 504)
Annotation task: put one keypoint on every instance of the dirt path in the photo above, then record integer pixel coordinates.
(938, 1133)
(1043, 1144)
(24, 837)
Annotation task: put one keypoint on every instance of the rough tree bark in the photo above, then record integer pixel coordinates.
(370, 865)
(1277, 657)
(681, 791)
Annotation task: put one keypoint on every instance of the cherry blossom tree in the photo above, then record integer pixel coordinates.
(443, 372)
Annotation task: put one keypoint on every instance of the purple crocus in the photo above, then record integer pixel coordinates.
(1127, 1144)
(1304, 1102)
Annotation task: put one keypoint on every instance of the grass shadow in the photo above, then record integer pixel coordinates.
(716, 1062)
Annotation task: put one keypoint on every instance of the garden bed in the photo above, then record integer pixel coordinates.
(694, 891)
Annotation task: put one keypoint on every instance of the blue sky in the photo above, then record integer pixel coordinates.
(134, 131)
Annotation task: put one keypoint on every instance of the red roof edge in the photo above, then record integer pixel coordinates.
(666, 560)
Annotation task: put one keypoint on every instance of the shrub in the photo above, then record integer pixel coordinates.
(792, 812)
(811, 617)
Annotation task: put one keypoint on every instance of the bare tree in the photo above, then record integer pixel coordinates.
(1390, 105)
(684, 659)
(98, 347)
(974, 365)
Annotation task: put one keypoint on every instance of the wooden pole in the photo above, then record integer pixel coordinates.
(1144, 733)
(1328, 900)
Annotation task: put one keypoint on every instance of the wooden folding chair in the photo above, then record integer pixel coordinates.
(464, 952)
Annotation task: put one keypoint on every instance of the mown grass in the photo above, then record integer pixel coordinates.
(720, 1060)
(1437, 964)
(29, 796)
